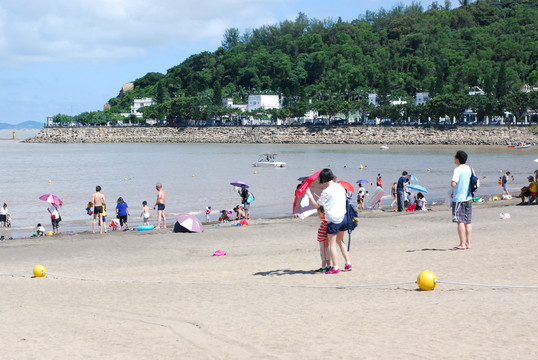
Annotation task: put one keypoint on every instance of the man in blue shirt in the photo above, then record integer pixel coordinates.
(462, 200)
(400, 195)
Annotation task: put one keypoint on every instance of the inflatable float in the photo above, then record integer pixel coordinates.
(375, 197)
(145, 227)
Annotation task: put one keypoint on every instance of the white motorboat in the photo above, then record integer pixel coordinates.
(268, 160)
(384, 147)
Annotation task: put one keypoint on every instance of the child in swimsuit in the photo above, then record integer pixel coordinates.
(145, 212)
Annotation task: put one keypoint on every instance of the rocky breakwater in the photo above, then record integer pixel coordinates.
(290, 135)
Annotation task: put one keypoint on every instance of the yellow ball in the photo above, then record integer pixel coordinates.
(50, 181)
(50, 233)
(40, 271)
(361, 167)
(193, 175)
(125, 179)
(312, 169)
(255, 172)
(500, 171)
(426, 280)
(428, 170)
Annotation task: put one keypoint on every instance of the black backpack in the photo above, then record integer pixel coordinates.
(352, 219)
(473, 183)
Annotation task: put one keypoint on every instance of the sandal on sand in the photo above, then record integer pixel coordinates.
(459, 247)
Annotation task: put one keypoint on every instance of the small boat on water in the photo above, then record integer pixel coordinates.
(519, 146)
(268, 160)
(384, 147)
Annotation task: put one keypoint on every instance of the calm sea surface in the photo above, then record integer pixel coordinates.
(198, 175)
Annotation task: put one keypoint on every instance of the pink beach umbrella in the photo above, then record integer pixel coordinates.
(188, 223)
(51, 199)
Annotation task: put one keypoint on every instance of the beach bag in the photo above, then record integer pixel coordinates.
(352, 220)
(352, 217)
(473, 183)
(250, 198)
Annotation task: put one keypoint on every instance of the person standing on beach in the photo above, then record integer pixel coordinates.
(54, 212)
(122, 210)
(99, 202)
(379, 181)
(462, 201)
(504, 182)
(333, 199)
(244, 193)
(3, 215)
(393, 190)
(400, 192)
(159, 204)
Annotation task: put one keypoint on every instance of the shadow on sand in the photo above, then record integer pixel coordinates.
(281, 272)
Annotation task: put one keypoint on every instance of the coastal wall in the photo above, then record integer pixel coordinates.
(290, 135)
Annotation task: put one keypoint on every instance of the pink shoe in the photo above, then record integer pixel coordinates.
(333, 271)
(348, 267)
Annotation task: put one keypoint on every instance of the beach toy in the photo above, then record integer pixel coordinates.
(426, 280)
(361, 167)
(495, 198)
(219, 253)
(500, 171)
(505, 216)
(125, 179)
(145, 227)
(50, 233)
(89, 208)
(40, 271)
(50, 181)
(255, 172)
(312, 169)
(193, 175)
(428, 170)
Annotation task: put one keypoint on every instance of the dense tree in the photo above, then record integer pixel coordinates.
(396, 53)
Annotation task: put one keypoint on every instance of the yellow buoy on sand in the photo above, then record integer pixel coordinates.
(426, 280)
(50, 233)
(40, 271)
(361, 167)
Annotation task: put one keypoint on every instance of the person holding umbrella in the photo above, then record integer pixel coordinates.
(55, 218)
(333, 199)
(244, 193)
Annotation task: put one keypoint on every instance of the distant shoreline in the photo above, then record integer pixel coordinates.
(366, 135)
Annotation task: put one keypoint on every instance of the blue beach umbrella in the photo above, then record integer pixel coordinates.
(417, 187)
(239, 183)
(362, 181)
(414, 178)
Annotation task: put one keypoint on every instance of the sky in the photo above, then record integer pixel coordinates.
(72, 56)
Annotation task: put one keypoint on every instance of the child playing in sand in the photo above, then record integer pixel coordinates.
(145, 212)
(40, 231)
(323, 242)
(207, 212)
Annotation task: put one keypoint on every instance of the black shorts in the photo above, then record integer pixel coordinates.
(160, 206)
(98, 210)
(122, 219)
(3, 217)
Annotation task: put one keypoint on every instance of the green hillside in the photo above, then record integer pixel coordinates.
(396, 53)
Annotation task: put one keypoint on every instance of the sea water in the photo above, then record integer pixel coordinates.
(198, 175)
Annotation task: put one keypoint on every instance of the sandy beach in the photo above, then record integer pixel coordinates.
(160, 295)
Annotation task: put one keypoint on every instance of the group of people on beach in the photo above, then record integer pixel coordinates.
(241, 211)
(332, 208)
(122, 210)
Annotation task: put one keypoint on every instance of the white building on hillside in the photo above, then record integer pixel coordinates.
(263, 102)
(137, 104)
(398, 102)
(372, 99)
(229, 103)
(421, 98)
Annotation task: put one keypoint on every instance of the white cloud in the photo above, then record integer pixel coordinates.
(98, 30)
